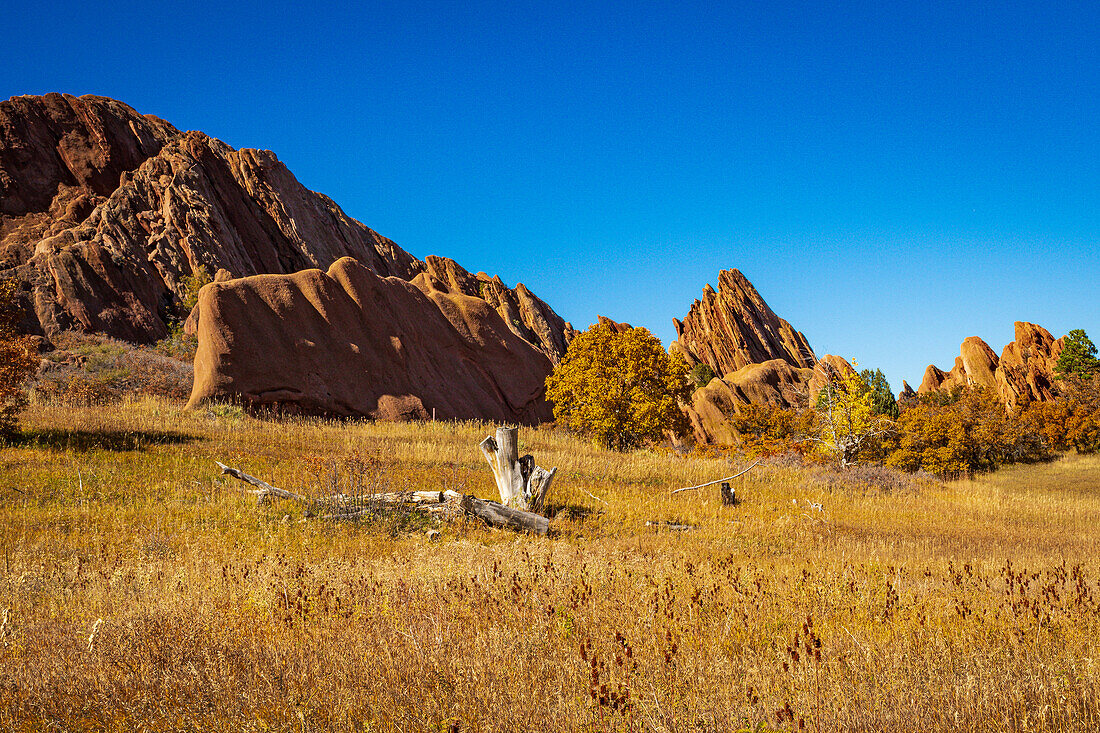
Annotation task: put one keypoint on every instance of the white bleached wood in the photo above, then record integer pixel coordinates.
(718, 481)
(521, 484)
(445, 504)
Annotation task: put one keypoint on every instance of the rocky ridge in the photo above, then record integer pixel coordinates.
(104, 212)
(1023, 372)
(107, 216)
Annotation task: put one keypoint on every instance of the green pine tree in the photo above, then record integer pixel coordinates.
(1078, 357)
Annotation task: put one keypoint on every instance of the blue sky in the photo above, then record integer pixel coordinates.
(893, 177)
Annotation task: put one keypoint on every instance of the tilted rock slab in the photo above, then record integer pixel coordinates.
(350, 342)
(732, 327)
(773, 382)
(759, 357)
(1024, 372)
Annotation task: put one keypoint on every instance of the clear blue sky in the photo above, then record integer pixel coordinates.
(893, 177)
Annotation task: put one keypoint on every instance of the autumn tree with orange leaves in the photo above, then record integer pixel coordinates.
(18, 361)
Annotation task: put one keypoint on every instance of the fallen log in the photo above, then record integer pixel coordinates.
(718, 481)
(499, 515)
(670, 525)
(344, 508)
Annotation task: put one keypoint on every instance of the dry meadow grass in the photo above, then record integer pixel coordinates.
(141, 591)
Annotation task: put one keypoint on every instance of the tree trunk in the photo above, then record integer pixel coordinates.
(522, 484)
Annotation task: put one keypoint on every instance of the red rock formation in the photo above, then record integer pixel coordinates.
(525, 314)
(60, 156)
(829, 369)
(907, 393)
(1024, 372)
(196, 203)
(105, 212)
(350, 342)
(760, 357)
(615, 325)
(774, 382)
(733, 327)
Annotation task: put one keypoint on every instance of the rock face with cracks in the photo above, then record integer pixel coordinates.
(732, 327)
(759, 357)
(104, 212)
(107, 214)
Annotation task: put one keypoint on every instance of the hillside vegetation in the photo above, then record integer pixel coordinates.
(140, 589)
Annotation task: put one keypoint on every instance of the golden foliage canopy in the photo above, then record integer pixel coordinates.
(620, 388)
(849, 427)
(18, 360)
(963, 431)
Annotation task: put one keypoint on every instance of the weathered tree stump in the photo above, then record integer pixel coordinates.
(522, 484)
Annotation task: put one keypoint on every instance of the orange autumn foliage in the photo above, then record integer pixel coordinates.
(18, 361)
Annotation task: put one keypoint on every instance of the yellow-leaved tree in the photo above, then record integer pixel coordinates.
(18, 360)
(850, 427)
(620, 387)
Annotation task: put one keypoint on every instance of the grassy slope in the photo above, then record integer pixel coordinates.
(967, 606)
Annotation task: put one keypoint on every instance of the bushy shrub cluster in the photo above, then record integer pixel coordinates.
(946, 433)
(18, 360)
(1071, 422)
(86, 369)
(964, 431)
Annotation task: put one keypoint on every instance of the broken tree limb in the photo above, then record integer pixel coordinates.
(718, 481)
(499, 515)
(265, 489)
(670, 525)
(521, 484)
(352, 502)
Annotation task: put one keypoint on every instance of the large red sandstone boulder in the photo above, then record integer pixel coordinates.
(349, 342)
(773, 382)
(829, 369)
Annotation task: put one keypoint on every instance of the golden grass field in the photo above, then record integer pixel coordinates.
(141, 590)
